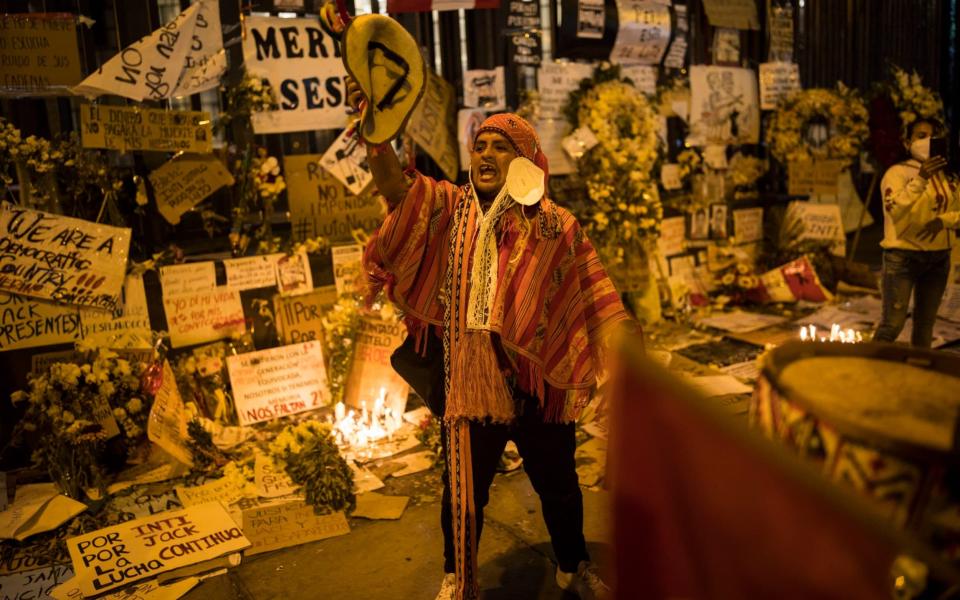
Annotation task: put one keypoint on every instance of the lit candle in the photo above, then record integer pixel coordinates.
(339, 411)
(803, 334)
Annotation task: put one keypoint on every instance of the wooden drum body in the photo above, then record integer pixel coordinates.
(879, 418)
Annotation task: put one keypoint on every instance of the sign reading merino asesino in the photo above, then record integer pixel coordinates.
(117, 556)
(55, 257)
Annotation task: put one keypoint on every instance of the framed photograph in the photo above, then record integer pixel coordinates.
(700, 225)
(718, 221)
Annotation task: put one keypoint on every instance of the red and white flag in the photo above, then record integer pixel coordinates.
(401, 6)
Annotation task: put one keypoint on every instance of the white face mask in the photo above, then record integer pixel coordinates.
(920, 149)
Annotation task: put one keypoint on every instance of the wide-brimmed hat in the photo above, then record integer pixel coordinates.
(385, 61)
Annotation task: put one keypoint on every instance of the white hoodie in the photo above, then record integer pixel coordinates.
(911, 201)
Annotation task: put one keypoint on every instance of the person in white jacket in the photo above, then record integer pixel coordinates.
(921, 210)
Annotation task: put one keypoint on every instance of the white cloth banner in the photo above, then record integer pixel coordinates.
(305, 71)
(185, 56)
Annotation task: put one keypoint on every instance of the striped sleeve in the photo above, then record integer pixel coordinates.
(602, 306)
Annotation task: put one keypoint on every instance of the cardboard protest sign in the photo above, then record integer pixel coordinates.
(226, 490)
(777, 80)
(185, 181)
(289, 524)
(33, 585)
(780, 21)
(852, 210)
(346, 159)
(271, 479)
(167, 425)
(485, 88)
(371, 374)
(737, 14)
(748, 225)
(136, 128)
(206, 60)
(643, 32)
(378, 506)
(30, 322)
(673, 232)
(814, 176)
(301, 317)
(347, 268)
(141, 503)
(724, 105)
(40, 55)
(819, 222)
(69, 260)
(278, 381)
(188, 278)
(305, 71)
(116, 556)
(148, 590)
(320, 205)
(127, 326)
(556, 80)
(37, 508)
(251, 272)
(200, 317)
(432, 125)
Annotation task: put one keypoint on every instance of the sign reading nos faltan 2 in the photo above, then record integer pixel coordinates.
(117, 556)
(55, 257)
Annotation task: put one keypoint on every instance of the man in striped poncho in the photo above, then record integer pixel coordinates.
(517, 294)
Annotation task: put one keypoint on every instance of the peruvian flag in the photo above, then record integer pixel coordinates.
(401, 6)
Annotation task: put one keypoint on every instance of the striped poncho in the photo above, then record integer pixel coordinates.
(551, 306)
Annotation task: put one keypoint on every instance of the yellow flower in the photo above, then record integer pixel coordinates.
(728, 279)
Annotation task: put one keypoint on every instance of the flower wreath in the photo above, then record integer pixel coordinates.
(841, 114)
(912, 99)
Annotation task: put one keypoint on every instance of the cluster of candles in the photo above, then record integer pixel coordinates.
(808, 333)
(367, 427)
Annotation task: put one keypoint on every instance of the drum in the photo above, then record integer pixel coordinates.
(879, 418)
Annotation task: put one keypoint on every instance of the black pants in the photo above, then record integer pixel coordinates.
(547, 450)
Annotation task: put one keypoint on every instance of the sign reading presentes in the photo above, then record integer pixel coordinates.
(60, 258)
(117, 556)
(305, 71)
(39, 54)
(277, 382)
(135, 128)
(30, 322)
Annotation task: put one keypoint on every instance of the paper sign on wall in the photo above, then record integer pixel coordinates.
(748, 225)
(432, 124)
(34, 585)
(293, 274)
(135, 128)
(372, 373)
(814, 176)
(188, 278)
(167, 425)
(347, 268)
(305, 71)
(40, 54)
(301, 317)
(552, 133)
(670, 176)
(556, 80)
(30, 322)
(199, 317)
(69, 260)
(643, 32)
(485, 88)
(591, 18)
(320, 206)
(726, 46)
(346, 159)
(724, 106)
(251, 272)
(738, 14)
(116, 556)
(279, 381)
(644, 77)
(677, 54)
(126, 327)
(289, 524)
(777, 80)
(185, 181)
(780, 19)
(672, 235)
(468, 122)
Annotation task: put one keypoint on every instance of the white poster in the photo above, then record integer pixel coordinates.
(305, 71)
(30, 322)
(346, 159)
(206, 61)
(556, 80)
(591, 18)
(643, 32)
(726, 46)
(128, 326)
(672, 236)
(71, 261)
(251, 272)
(188, 278)
(748, 225)
(777, 80)
(670, 176)
(485, 88)
(468, 122)
(277, 382)
(205, 316)
(552, 133)
(724, 106)
(821, 222)
(677, 54)
(167, 425)
(347, 268)
(644, 77)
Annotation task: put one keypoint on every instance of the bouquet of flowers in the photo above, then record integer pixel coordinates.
(734, 282)
(312, 460)
(840, 117)
(912, 99)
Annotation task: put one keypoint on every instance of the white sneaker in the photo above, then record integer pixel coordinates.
(585, 583)
(448, 589)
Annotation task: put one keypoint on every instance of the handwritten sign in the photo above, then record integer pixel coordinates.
(371, 373)
(127, 326)
(182, 183)
(780, 20)
(188, 278)
(136, 128)
(142, 504)
(591, 19)
(251, 272)
(556, 80)
(748, 225)
(289, 524)
(777, 80)
(644, 77)
(61, 258)
(29, 322)
(320, 206)
(206, 60)
(346, 159)
(677, 54)
(522, 25)
(39, 54)
(432, 124)
(737, 14)
(643, 32)
(552, 132)
(672, 235)
(279, 381)
(301, 317)
(226, 490)
(271, 479)
(34, 585)
(347, 268)
(116, 556)
(814, 176)
(303, 66)
(167, 424)
(819, 222)
(294, 276)
(203, 317)
(485, 88)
